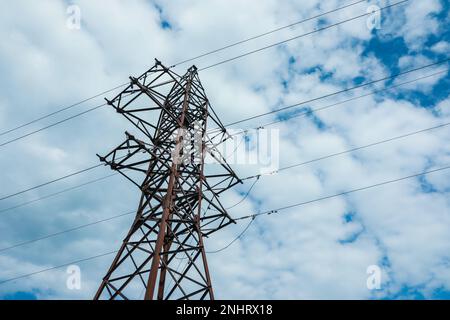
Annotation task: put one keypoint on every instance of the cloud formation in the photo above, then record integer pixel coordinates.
(316, 251)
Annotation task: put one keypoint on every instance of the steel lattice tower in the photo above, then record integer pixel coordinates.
(179, 203)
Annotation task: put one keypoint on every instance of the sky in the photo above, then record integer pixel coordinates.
(317, 251)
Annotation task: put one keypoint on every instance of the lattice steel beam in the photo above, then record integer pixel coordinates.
(168, 167)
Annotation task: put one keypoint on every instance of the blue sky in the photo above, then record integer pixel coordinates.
(317, 251)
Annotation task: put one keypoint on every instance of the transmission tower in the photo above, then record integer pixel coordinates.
(163, 255)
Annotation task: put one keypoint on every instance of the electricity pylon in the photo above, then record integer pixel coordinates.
(163, 255)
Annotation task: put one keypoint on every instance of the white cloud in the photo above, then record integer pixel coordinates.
(303, 252)
(441, 47)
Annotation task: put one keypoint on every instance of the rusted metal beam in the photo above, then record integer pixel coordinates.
(171, 219)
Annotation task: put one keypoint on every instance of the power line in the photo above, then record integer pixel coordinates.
(60, 110)
(343, 193)
(213, 65)
(52, 125)
(20, 244)
(308, 112)
(179, 63)
(64, 190)
(253, 216)
(58, 193)
(245, 195)
(299, 36)
(56, 180)
(266, 33)
(257, 176)
(363, 147)
(352, 150)
(58, 267)
(234, 240)
(50, 182)
(252, 117)
(57, 123)
(338, 92)
(241, 218)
